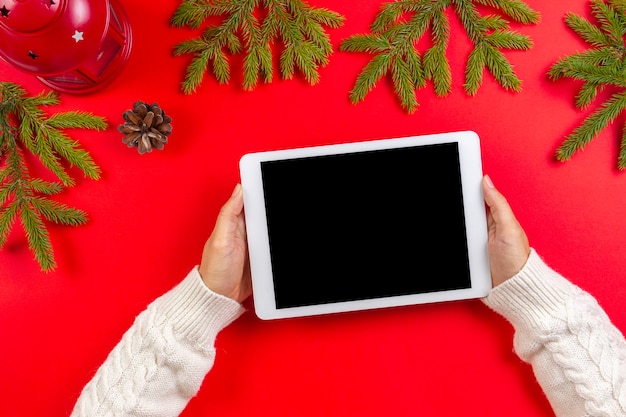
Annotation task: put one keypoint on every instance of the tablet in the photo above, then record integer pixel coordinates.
(366, 225)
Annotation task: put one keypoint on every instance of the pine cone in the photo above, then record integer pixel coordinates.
(146, 127)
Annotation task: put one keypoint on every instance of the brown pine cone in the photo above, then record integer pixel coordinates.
(146, 127)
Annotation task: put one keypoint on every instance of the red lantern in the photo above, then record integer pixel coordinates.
(73, 46)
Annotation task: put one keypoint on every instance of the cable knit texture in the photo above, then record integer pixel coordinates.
(160, 363)
(577, 354)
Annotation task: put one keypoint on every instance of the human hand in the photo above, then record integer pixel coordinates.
(508, 245)
(225, 268)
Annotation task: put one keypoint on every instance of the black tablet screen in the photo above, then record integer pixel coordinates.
(366, 225)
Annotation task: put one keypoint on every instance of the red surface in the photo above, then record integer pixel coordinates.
(150, 215)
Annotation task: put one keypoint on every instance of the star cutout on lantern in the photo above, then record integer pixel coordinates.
(78, 36)
(48, 3)
(4, 12)
(33, 55)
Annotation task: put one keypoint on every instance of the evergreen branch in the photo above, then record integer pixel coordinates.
(37, 236)
(192, 13)
(70, 151)
(609, 21)
(602, 65)
(515, 9)
(44, 187)
(621, 159)
(76, 120)
(436, 64)
(326, 17)
(233, 44)
(599, 75)
(403, 85)
(49, 98)
(474, 25)
(7, 219)
(5, 193)
(620, 7)
(45, 151)
(190, 46)
(395, 54)
(221, 70)
(251, 68)
(437, 69)
(494, 22)
(253, 62)
(58, 213)
(591, 58)
(373, 72)
(474, 71)
(501, 69)
(293, 24)
(306, 60)
(398, 27)
(490, 42)
(288, 63)
(390, 14)
(24, 126)
(416, 68)
(370, 44)
(593, 125)
(509, 40)
(588, 92)
(586, 30)
(195, 71)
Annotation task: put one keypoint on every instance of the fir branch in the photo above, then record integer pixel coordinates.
(44, 187)
(192, 13)
(292, 24)
(601, 66)
(24, 126)
(592, 126)
(75, 120)
(621, 159)
(8, 215)
(58, 213)
(586, 30)
(401, 24)
(437, 67)
(515, 9)
(37, 236)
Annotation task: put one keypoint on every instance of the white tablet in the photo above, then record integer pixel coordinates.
(366, 225)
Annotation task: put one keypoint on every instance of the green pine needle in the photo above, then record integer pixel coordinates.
(400, 25)
(601, 66)
(290, 24)
(24, 126)
(621, 160)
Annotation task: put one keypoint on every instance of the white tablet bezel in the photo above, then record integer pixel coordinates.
(257, 233)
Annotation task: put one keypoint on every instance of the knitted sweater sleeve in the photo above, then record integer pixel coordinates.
(161, 361)
(577, 354)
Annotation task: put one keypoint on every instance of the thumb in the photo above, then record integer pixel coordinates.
(498, 206)
(228, 219)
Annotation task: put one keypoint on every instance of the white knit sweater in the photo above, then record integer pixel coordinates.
(160, 363)
(578, 356)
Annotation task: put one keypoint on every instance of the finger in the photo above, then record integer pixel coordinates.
(229, 218)
(235, 202)
(498, 206)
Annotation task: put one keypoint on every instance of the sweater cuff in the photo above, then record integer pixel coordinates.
(195, 312)
(534, 298)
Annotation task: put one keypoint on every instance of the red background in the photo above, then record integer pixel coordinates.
(150, 215)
